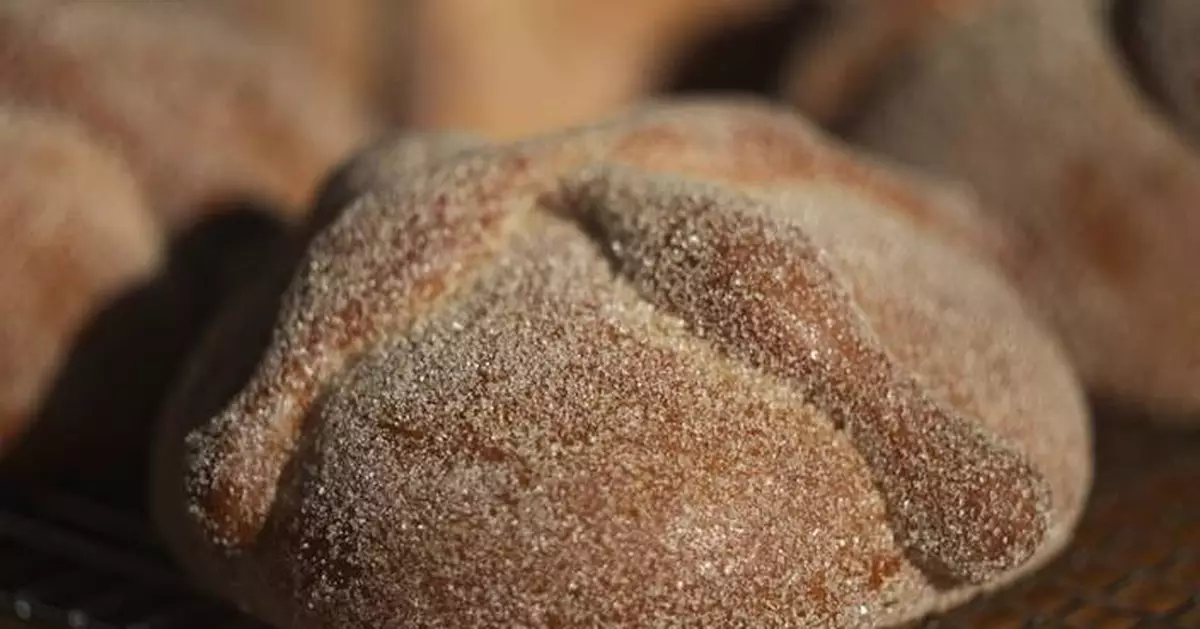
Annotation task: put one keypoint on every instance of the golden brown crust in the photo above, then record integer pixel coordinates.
(202, 114)
(521, 386)
(759, 148)
(395, 157)
(1029, 103)
(757, 288)
(437, 235)
(76, 233)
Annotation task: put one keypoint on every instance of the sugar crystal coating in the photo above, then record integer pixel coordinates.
(759, 289)
(579, 380)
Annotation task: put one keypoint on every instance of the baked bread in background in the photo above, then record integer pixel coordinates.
(75, 233)
(498, 69)
(505, 70)
(168, 125)
(834, 69)
(346, 42)
(1165, 41)
(694, 365)
(1032, 104)
(218, 106)
(203, 113)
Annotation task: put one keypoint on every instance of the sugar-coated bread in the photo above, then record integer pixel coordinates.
(74, 234)
(202, 112)
(1031, 104)
(693, 366)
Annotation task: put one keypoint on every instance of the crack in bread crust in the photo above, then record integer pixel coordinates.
(966, 506)
(432, 226)
(343, 302)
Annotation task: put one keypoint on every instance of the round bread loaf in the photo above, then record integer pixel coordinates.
(76, 233)
(692, 366)
(1030, 104)
(203, 115)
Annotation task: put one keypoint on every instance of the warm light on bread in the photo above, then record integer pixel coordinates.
(695, 365)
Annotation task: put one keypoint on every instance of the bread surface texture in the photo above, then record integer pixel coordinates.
(694, 365)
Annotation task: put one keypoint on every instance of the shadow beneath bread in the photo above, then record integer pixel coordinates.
(92, 435)
(1130, 440)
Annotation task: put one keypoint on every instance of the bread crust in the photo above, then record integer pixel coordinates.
(696, 364)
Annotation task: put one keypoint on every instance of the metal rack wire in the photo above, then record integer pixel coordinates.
(67, 564)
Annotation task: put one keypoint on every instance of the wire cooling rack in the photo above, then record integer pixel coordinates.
(1135, 563)
(68, 564)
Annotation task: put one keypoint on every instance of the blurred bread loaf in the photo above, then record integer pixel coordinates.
(1165, 43)
(75, 232)
(510, 69)
(203, 113)
(346, 42)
